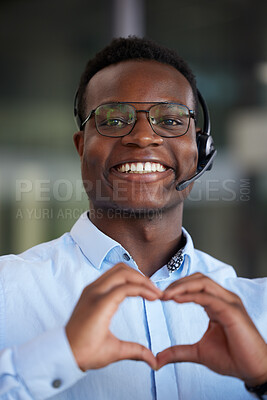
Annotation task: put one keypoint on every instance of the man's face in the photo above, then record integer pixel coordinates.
(103, 158)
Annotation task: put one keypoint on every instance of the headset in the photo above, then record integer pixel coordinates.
(205, 144)
(77, 117)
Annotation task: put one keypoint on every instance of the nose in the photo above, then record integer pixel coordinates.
(142, 134)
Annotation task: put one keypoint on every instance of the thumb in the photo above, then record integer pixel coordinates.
(183, 353)
(135, 351)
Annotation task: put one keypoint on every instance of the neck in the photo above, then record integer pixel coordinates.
(151, 238)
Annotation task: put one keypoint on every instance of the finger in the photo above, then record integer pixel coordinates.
(185, 279)
(135, 351)
(200, 284)
(217, 309)
(182, 353)
(119, 293)
(196, 282)
(110, 301)
(196, 275)
(120, 274)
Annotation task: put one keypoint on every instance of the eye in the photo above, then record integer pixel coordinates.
(114, 123)
(167, 122)
(171, 122)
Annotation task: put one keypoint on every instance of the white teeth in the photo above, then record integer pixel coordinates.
(160, 168)
(141, 168)
(148, 167)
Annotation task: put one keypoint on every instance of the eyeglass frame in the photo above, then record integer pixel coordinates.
(191, 114)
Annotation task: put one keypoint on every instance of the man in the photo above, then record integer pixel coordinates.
(146, 324)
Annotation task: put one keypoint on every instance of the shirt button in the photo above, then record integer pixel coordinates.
(126, 257)
(56, 383)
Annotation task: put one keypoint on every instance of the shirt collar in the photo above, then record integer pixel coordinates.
(189, 246)
(94, 244)
(188, 252)
(183, 265)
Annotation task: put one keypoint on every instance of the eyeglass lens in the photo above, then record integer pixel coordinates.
(118, 119)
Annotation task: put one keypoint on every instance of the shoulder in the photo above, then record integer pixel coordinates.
(44, 254)
(199, 261)
(250, 290)
(253, 293)
(225, 275)
(211, 266)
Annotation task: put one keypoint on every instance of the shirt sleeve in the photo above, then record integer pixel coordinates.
(38, 369)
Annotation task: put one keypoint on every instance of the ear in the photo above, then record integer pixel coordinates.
(198, 130)
(78, 139)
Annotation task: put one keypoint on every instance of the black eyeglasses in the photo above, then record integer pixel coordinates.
(118, 119)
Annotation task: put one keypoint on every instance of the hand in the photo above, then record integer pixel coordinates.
(92, 343)
(231, 345)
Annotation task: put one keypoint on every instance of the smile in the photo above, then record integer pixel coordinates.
(140, 167)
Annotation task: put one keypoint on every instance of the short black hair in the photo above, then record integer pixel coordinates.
(131, 48)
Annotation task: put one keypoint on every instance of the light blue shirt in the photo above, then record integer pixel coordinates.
(38, 292)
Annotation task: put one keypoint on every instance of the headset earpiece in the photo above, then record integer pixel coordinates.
(205, 142)
(205, 147)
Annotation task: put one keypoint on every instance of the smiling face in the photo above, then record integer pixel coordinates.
(141, 170)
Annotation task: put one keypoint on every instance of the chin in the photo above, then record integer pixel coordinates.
(134, 213)
(138, 210)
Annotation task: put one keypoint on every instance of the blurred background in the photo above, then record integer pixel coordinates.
(44, 48)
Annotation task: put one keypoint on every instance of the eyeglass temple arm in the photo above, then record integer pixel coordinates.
(87, 119)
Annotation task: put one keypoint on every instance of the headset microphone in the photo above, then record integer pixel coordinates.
(182, 185)
(205, 145)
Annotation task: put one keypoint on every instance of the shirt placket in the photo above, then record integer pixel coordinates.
(165, 379)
